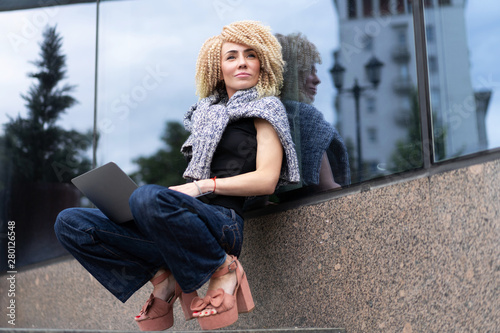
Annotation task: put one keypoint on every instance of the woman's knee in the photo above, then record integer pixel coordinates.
(144, 199)
(143, 196)
(65, 221)
(73, 221)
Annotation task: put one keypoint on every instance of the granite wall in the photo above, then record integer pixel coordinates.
(418, 256)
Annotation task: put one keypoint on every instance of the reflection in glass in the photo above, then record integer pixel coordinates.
(380, 126)
(46, 132)
(321, 150)
(463, 68)
(147, 55)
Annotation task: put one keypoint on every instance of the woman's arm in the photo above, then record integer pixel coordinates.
(262, 181)
(326, 180)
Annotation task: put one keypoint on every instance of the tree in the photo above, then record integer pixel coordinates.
(408, 153)
(37, 149)
(167, 165)
(39, 158)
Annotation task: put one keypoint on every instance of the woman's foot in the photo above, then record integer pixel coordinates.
(157, 314)
(227, 282)
(165, 289)
(228, 294)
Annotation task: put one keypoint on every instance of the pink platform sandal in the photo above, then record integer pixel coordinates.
(227, 306)
(157, 314)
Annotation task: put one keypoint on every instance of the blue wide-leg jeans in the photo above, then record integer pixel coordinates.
(170, 229)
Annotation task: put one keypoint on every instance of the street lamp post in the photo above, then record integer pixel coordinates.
(373, 71)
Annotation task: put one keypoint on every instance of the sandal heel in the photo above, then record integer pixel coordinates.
(186, 300)
(244, 297)
(226, 306)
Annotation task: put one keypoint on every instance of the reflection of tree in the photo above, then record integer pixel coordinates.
(37, 149)
(408, 152)
(39, 158)
(167, 165)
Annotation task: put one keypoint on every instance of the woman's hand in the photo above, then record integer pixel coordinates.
(206, 185)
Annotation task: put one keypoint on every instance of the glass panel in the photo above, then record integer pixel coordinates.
(47, 86)
(147, 57)
(380, 123)
(463, 74)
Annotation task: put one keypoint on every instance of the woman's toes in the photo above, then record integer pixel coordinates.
(208, 312)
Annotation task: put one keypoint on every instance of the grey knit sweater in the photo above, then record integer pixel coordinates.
(207, 120)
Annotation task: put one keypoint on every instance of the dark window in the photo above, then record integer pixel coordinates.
(428, 3)
(384, 7)
(372, 134)
(367, 8)
(351, 9)
(430, 34)
(444, 2)
(400, 6)
(433, 65)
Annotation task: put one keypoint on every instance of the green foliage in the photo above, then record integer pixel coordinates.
(35, 149)
(167, 165)
(408, 153)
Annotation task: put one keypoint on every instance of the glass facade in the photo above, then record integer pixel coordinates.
(462, 75)
(125, 77)
(47, 113)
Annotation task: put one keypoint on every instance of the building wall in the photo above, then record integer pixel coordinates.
(452, 95)
(418, 256)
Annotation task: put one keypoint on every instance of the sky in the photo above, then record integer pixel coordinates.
(147, 55)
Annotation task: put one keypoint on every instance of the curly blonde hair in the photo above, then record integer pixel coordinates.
(254, 34)
(300, 56)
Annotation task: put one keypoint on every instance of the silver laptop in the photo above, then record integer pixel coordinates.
(109, 188)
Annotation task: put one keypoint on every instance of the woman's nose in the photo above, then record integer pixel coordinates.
(316, 79)
(242, 62)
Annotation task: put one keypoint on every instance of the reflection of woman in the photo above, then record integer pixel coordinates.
(239, 138)
(323, 155)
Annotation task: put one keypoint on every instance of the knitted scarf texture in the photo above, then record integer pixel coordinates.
(207, 120)
(315, 137)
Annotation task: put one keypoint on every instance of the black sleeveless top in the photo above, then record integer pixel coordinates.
(235, 154)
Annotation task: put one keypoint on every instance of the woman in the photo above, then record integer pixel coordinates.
(239, 146)
(323, 155)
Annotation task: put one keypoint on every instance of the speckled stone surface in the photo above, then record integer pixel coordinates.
(418, 256)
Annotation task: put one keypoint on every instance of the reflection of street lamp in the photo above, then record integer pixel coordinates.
(373, 69)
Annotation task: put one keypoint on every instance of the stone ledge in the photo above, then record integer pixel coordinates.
(418, 256)
(278, 330)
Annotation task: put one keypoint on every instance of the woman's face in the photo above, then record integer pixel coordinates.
(240, 67)
(312, 81)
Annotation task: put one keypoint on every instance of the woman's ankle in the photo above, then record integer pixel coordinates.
(164, 289)
(226, 281)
